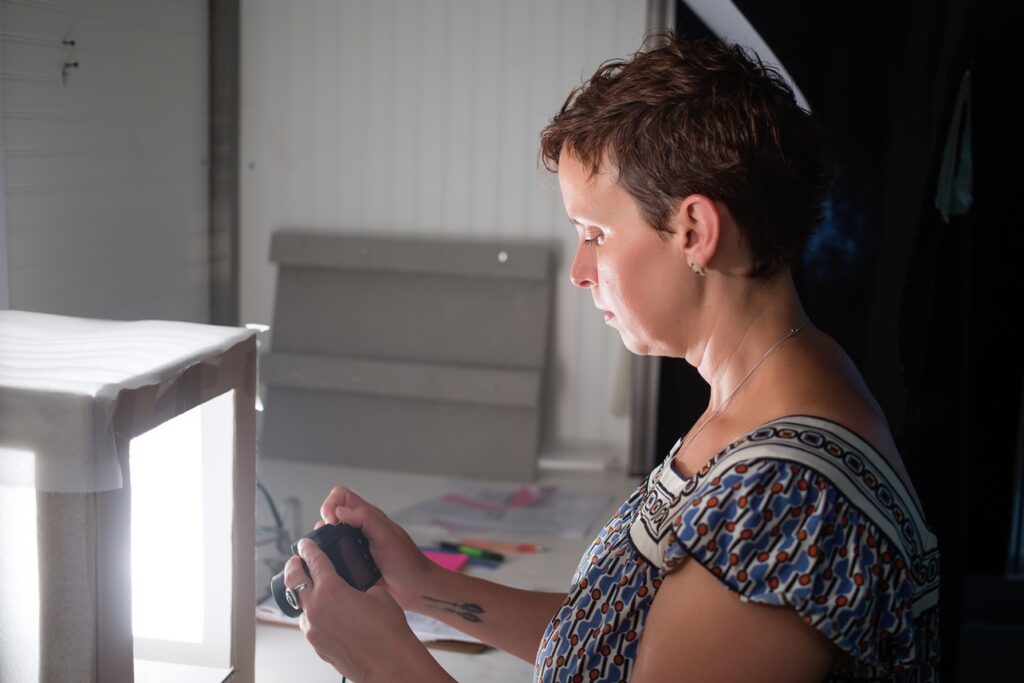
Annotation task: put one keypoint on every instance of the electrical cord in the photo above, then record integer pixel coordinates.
(281, 536)
(274, 535)
(270, 503)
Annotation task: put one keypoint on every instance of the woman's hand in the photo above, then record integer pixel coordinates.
(365, 636)
(508, 618)
(404, 568)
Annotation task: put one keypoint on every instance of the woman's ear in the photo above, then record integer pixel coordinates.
(698, 222)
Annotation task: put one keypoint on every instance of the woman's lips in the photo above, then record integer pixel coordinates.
(608, 315)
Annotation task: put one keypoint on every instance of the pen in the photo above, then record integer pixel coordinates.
(504, 547)
(479, 553)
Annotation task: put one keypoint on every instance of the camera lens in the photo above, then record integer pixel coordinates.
(349, 552)
(280, 592)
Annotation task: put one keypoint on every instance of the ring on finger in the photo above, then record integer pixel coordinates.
(292, 595)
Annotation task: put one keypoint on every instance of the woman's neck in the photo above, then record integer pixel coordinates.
(743, 319)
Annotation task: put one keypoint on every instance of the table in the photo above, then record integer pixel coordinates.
(282, 653)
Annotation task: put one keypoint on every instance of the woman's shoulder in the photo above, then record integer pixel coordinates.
(790, 515)
(826, 439)
(863, 429)
(857, 422)
(826, 387)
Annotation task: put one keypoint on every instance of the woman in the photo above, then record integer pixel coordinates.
(781, 539)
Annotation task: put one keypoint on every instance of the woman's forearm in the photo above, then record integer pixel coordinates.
(510, 619)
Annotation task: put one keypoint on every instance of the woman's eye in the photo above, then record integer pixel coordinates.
(593, 239)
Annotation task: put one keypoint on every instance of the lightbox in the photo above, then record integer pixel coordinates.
(127, 482)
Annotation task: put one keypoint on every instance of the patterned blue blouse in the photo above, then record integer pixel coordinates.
(801, 512)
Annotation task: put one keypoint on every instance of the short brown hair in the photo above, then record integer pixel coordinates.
(704, 117)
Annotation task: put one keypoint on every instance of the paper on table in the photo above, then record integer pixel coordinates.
(517, 511)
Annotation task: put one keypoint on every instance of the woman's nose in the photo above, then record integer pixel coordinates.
(583, 272)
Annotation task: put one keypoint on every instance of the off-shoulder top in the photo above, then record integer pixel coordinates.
(801, 512)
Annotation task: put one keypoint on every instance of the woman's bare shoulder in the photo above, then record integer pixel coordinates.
(826, 383)
(815, 377)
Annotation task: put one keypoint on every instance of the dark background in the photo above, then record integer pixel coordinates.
(928, 309)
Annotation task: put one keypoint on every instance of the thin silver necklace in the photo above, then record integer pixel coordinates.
(792, 333)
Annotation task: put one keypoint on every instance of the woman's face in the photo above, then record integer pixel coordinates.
(636, 276)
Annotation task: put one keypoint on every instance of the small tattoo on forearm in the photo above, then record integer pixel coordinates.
(470, 611)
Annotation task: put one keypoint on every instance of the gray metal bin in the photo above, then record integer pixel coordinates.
(409, 354)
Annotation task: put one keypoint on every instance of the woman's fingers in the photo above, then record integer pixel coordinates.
(379, 593)
(339, 495)
(320, 567)
(356, 517)
(345, 505)
(294, 575)
(357, 633)
(400, 562)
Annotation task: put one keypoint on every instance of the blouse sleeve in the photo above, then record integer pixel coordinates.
(779, 533)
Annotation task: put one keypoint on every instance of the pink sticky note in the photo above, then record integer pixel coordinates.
(453, 561)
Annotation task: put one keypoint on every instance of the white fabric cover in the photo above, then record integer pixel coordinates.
(60, 378)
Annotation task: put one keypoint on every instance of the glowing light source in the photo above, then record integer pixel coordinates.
(167, 530)
(181, 537)
(92, 463)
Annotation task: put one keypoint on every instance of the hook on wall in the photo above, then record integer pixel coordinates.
(67, 68)
(70, 61)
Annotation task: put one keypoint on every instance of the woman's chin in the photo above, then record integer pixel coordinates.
(635, 345)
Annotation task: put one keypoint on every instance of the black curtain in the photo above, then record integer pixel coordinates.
(927, 307)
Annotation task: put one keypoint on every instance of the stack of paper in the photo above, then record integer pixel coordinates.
(513, 511)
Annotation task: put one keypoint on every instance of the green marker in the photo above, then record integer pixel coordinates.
(478, 553)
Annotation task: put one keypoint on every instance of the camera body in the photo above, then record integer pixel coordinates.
(349, 552)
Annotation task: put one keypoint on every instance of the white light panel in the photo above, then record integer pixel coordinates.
(181, 539)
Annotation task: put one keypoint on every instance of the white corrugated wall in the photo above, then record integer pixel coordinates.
(105, 173)
(423, 117)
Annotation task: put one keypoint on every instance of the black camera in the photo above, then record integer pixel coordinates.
(349, 552)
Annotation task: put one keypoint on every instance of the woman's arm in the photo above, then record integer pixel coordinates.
(697, 630)
(507, 618)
